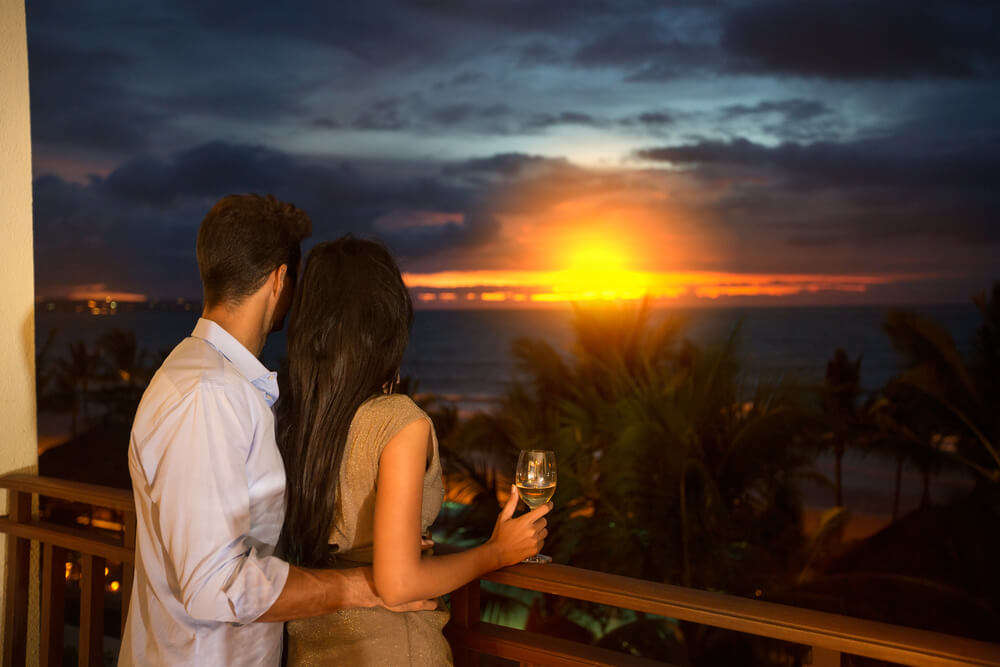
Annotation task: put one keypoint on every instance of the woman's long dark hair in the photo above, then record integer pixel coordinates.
(349, 327)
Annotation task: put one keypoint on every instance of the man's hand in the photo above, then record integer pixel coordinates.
(421, 605)
(426, 544)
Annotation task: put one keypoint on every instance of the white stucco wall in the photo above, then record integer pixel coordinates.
(18, 435)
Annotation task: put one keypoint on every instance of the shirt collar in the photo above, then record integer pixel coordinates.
(245, 362)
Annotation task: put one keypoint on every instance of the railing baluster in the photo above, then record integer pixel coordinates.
(464, 615)
(824, 657)
(92, 611)
(128, 570)
(471, 639)
(15, 622)
(53, 605)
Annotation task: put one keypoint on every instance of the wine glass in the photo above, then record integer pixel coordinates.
(535, 479)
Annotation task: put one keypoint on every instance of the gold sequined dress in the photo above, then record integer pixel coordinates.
(373, 636)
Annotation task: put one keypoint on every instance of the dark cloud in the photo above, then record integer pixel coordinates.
(879, 162)
(894, 39)
(799, 120)
(206, 170)
(414, 114)
(397, 114)
(384, 114)
(78, 103)
(539, 53)
(101, 83)
(327, 123)
(139, 223)
(84, 236)
(475, 114)
(873, 190)
(653, 120)
(476, 229)
(791, 110)
(461, 79)
(504, 166)
(864, 176)
(540, 121)
(551, 16)
(346, 27)
(646, 52)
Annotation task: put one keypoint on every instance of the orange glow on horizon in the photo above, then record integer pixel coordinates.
(98, 292)
(611, 283)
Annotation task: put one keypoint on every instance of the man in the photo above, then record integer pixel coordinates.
(207, 476)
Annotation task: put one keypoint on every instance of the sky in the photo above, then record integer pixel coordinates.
(529, 152)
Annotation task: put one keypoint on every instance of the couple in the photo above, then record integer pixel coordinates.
(254, 509)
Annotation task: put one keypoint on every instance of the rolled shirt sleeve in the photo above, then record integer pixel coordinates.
(201, 506)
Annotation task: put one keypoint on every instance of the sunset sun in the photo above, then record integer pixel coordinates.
(598, 270)
(596, 255)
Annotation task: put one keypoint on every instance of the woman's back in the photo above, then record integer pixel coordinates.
(373, 426)
(373, 635)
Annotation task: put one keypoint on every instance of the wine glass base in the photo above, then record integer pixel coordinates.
(538, 558)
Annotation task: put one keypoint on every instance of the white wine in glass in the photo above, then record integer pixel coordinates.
(535, 479)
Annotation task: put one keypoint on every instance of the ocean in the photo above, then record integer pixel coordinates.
(464, 356)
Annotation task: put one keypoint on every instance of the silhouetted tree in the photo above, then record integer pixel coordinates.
(43, 364)
(935, 369)
(75, 374)
(673, 465)
(841, 393)
(123, 361)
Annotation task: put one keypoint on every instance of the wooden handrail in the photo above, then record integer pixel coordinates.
(78, 492)
(530, 648)
(96, 547)
(68, 538)
(802, 626)
(827, 634)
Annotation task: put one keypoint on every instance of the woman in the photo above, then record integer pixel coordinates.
(362, 466)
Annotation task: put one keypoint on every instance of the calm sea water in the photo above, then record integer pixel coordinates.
(465, 355)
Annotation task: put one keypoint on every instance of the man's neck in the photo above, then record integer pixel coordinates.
(246, 323)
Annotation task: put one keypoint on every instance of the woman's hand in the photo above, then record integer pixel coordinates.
(514, 540)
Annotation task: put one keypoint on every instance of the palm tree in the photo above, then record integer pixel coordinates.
(984, 364)
(43, 364)
(963, 397)
(75, 374)
(906, 427)
(123, 360)
(125, 373)
(673, 466)
(841, 391)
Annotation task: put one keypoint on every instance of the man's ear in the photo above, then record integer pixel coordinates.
(280, 277)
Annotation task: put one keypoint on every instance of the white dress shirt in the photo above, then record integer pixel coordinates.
(209, 488)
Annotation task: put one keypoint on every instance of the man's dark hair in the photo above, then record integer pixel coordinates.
(243, 239)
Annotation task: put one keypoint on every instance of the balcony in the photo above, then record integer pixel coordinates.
(823, 639)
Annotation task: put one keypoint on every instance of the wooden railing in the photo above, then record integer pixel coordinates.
(828, 636)
(96, 549)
